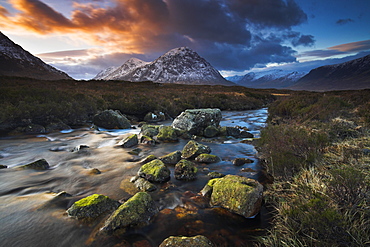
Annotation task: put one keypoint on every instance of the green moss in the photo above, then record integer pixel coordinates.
(90, 200)
(155, 171)
(207, 158)
(167, 134)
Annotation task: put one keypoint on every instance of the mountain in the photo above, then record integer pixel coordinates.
(114, 73)
(275, 78)
(180, 65)
(14, 61)
(351, 75)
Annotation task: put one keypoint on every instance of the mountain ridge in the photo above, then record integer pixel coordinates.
(15, 61)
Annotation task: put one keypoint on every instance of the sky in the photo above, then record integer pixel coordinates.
(83, 37)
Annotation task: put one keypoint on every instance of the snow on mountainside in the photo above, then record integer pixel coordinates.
(180, 65)
(275, 78)
(351, 75)
(15, 61)
(114, 73)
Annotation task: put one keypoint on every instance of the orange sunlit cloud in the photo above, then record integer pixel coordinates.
(129, 26)
(352, 47)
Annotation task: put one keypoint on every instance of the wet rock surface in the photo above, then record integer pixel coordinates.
(192, 149)
(196, 241)
(41, 164)
(110, 119)
(155, 171)
(185, 170)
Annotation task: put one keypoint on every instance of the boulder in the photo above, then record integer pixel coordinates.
(129, 142)
(207, 158)
(167, 134)
(233, 131)
(154, 117)
(192, 149)
(196, 241)
(41, 164)
(211, 131)
(135, 212)
(148, 159)
(246, 134)
(155, 171)
(237, 194)
(242, 161)
(142, 184)
(195, 121)
(147, 140)
(92, 206)
(171, 158)
(110, 119)
(215, 175)
(185, 170)
(149, 130)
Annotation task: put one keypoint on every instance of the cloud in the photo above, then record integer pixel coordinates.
(344, 21)
(352, 47)
(230, 33)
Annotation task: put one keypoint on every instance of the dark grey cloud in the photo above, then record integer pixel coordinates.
(344, 21)
(304, 40)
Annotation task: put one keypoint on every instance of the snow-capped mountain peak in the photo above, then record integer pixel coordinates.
(179, 65)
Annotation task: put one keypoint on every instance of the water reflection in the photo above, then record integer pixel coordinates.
(28, 217)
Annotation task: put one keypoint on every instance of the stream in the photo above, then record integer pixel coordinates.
(31, 216)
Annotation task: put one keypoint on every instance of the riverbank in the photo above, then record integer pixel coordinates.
(317, 147)
(33, 106)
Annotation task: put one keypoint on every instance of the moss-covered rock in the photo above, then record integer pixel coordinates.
(136, 212)
(150, 130)
(135, 151)
(196, 241)
(92, 206)
(215, 175)
(129, 142)
(171, 158)
(211, 131)
(147, 140)
(239, 195)
(167, 134)
(185, 170)
(110, 119)
(155, 171)
(192, 149)
(207, 158)
(143, 184)
(41, 164)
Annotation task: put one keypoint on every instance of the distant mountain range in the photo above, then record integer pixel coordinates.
(354, 74)
(275, 78)
(15, 61)
(181, 65)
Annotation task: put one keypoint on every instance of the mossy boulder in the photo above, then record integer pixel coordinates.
(110, 119)
(136, 212)
(155, 171)
(129, 142)
(149, 130)
(167, 134)
(207, 158)
(41, 164)
(215, 175)
(185, 170)
(239, 195)
(171, 158)
(192, 149)
(196, 241)
(196, 120)
(91, 207)
(211, 131)
(143, 184)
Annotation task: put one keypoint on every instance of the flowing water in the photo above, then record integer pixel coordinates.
(32, 215)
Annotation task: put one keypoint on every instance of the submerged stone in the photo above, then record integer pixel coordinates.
(92, 206)
(207, 158)
(143, 184)
(110, 119)
(242, 161)
(129, 141)
(148, 159)
(196, 241)
(171, 158)
(41, 164)
(192, 149)
(155, 171)
(136, 212)
(237, 194)
(185, 170)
